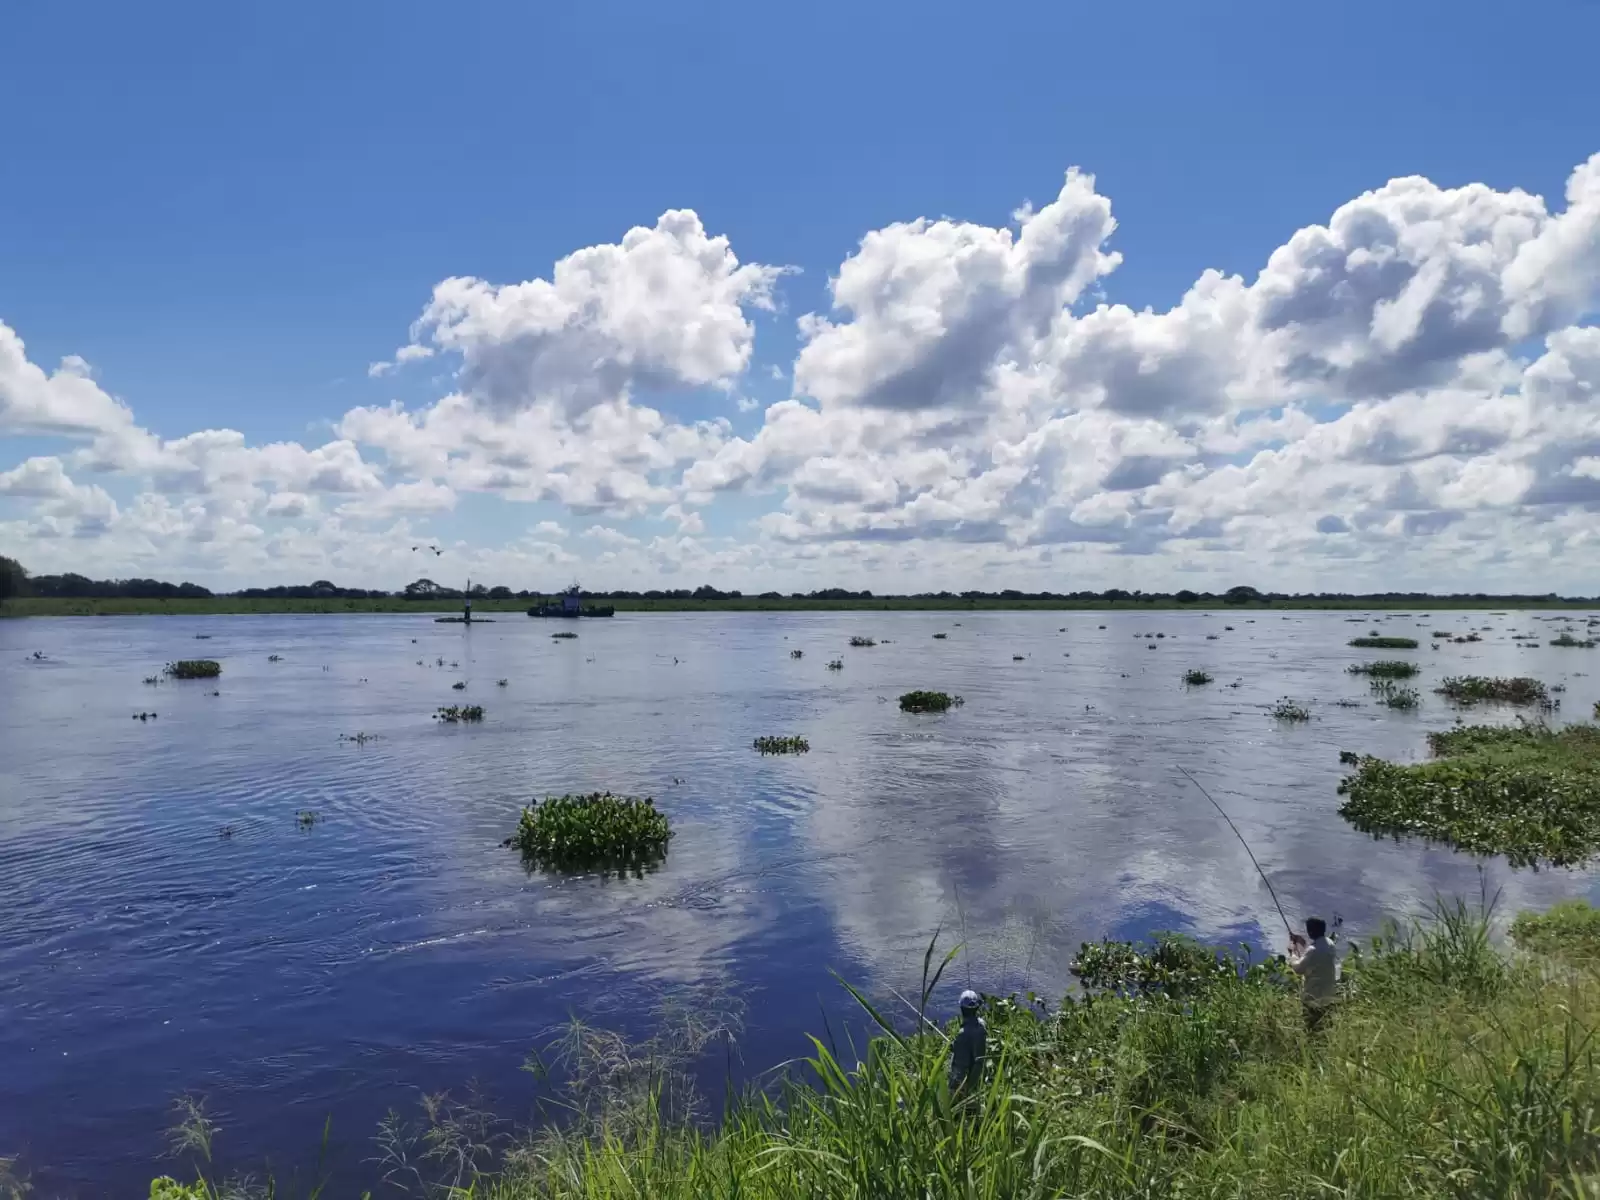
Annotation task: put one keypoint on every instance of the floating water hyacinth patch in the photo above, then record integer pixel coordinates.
(862, 641)
(941, 636)
(1384, 643)
(1481, 689)
(194, 668)
(1567, 640)
(1288, 710)
(927, 702)
(594, 830)
(564, 634)
(1196, 678)
(797, 654)
(1395, 695)
(1525, 791)
(459, 712)
(781, 745)
(836, 665)
(1392, 668)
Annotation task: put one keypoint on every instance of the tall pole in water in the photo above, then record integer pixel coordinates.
(466, 608)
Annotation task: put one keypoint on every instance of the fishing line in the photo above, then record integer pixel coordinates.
(1246, 846)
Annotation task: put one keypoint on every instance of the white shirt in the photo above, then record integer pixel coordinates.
(1318, 967)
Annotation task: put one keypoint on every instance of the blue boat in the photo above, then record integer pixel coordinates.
(570, 604)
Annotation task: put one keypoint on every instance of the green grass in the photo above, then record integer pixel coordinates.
(926, 702)
(781, 745)
(1384, 643)
(1528, 792)
(1569, 931)
(1482, 689)
(596, 830)
(1392, 668)
(194, 668)
(459, 712)
(1449, 1069)
(1196, 678)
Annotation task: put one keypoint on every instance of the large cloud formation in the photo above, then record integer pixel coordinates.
(1404, 395)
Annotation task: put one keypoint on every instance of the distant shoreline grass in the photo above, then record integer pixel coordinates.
(41, 606)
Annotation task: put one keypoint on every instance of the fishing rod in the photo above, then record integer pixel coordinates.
(1247, 850)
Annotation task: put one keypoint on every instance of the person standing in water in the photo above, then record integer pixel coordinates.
(968, 1051)
(1314, 961)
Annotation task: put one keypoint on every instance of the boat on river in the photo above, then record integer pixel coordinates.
(570, 604)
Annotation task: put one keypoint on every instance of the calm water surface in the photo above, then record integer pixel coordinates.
(288, 974)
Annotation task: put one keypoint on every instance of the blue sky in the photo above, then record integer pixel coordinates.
(229, 211)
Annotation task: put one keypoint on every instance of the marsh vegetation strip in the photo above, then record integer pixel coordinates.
(324, 959)
(1386, 669)
(1529, 792)
(1384, 643)
(1479, 689)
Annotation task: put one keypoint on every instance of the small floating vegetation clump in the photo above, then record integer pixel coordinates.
(595, 830)
(459, 712)
(153, 680)
(1196, 678)
(194, 668)
(941, 636)
(862, 641)
(797, 654)
(836, 665)
(564, 634)
(1525, 791)
(1384, 643)
(274, 658)
(781, 745)
(1481, 689)
(305, 818)
(459, 685)
(926, 702)
(1567, 640)
(1395, 695)
(1288, 710)
(1391, 668)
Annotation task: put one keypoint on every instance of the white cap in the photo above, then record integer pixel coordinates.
(970, 999)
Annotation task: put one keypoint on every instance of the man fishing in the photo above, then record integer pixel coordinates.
(967, 1053)
(1314, 961)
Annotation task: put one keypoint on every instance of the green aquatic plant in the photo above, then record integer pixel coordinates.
(564, 634)
(1481, 689)
(305, 818)
(862, 641)
(1442, 633)
(459, 685)
(502, 682)
(797, 654)
(194, 668)
(1393, 668)
(1289, 710)
(1196, 678)
(1018, 657)
(1567, 640)
(360, 739)
(926, 702)
(274, 658)
(144, 716)
(1394, 695)
(577, 832)
(781, 745)
(459, 712)
(1525, 791)
(153, 680)
(1384, 643)
(836, 664)
(941, 636)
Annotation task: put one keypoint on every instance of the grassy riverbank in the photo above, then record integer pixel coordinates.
(1452, 1068)
(47, 606)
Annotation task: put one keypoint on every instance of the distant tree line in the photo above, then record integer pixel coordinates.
(15, 581)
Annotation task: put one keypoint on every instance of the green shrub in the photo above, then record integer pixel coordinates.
(1384, 643)
(926, 702)
(194, 668)
(577, 832)
(1569, 931)
(1528, 792)
(782, 745)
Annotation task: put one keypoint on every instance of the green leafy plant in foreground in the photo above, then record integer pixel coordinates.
(1384, 643)
(194, 668)
(1528, 792)
(781, 745)
(927, 702)
(577, 832)
(1391, 668)
(453, 713)
(1482, 689)
(1196, 678)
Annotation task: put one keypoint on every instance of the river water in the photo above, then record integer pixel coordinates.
(290, 974)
